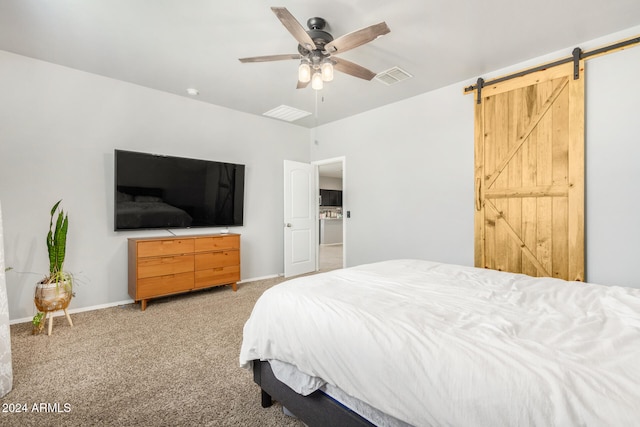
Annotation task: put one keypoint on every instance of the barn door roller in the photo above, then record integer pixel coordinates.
(479, 85)
(577, 54)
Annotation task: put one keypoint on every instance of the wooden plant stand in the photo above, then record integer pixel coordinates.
(49, 314)
(52, 297)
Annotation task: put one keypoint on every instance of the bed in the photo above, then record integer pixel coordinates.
(413, 342)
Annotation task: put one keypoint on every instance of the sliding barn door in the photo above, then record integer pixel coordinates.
(529, 172)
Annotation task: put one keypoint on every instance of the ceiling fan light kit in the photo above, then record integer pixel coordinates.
(316, 81)
(304, 71)
(316, 47)
(327, 71)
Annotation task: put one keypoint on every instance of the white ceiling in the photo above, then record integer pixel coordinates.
(172, 45)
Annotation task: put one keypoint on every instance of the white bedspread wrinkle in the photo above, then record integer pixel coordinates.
(435, 344)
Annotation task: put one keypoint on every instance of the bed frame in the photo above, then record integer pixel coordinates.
(316, 409)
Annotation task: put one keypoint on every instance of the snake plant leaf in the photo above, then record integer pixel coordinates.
(50, 251)
(57, 242)
(53, 210)
(61, 242)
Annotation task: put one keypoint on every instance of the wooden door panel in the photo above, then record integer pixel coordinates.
(514, 174)
(529, 177)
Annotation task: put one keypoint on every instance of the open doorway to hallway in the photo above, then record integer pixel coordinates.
(330, 213)
(330, 257)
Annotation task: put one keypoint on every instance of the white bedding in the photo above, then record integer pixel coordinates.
(437, 344)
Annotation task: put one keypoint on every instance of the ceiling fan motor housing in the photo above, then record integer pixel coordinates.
(316, 23)
(318, 35)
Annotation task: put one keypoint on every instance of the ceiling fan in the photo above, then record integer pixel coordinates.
(317, 49)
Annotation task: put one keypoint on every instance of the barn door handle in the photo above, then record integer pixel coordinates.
(478, 201)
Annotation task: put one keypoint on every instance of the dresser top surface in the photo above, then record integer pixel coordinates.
(196, 236)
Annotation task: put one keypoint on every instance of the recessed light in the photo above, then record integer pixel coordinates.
(193, 92)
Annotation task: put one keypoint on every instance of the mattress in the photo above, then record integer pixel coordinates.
(436, 344)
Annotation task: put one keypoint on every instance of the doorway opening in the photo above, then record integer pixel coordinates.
(331, 230)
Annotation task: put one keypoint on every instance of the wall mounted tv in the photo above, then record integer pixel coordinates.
(156, 191)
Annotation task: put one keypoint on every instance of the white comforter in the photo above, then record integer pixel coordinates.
(435, 344)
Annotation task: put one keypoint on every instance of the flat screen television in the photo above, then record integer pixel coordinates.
(157, 191)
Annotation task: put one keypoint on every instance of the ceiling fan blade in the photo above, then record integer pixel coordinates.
(271, 58)
(353, 69)
(294, 27)
(357, 38)
(302, 85)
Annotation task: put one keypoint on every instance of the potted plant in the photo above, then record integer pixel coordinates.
(55, 290)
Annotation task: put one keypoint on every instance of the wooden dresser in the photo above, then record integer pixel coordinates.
(160, 266)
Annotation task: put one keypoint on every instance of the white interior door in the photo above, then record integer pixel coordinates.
(299, 218)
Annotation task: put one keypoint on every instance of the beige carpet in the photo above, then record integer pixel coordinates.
(174, 364)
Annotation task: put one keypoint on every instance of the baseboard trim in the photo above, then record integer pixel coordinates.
(255, 279)
(76, 310)
(129, 301)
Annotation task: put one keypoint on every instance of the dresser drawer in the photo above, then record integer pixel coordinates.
(160, 266)
(217, 259)
(165, 247)
(164, 285)
(217, 276)
(217, 243)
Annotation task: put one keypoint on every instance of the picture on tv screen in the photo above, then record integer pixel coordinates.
(157, 191)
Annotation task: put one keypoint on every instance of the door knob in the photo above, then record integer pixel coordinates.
(288, 224)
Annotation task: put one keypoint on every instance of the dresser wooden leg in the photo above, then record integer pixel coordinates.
(143, 304)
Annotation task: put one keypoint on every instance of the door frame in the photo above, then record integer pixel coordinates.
(317, 163)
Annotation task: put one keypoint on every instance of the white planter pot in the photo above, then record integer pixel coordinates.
(52, 296)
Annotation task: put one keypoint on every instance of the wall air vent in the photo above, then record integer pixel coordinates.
(286, 113)
(392, 76)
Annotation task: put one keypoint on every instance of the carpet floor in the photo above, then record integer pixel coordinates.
(174, 364)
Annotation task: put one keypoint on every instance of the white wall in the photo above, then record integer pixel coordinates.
(58, 130)
(409, 170)
(409, 178)
(613, 168)
(329, 183)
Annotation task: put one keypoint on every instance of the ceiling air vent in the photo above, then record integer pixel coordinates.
(286, 113)
(392, 76)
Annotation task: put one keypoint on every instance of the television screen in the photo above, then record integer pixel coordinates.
(156, 191)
